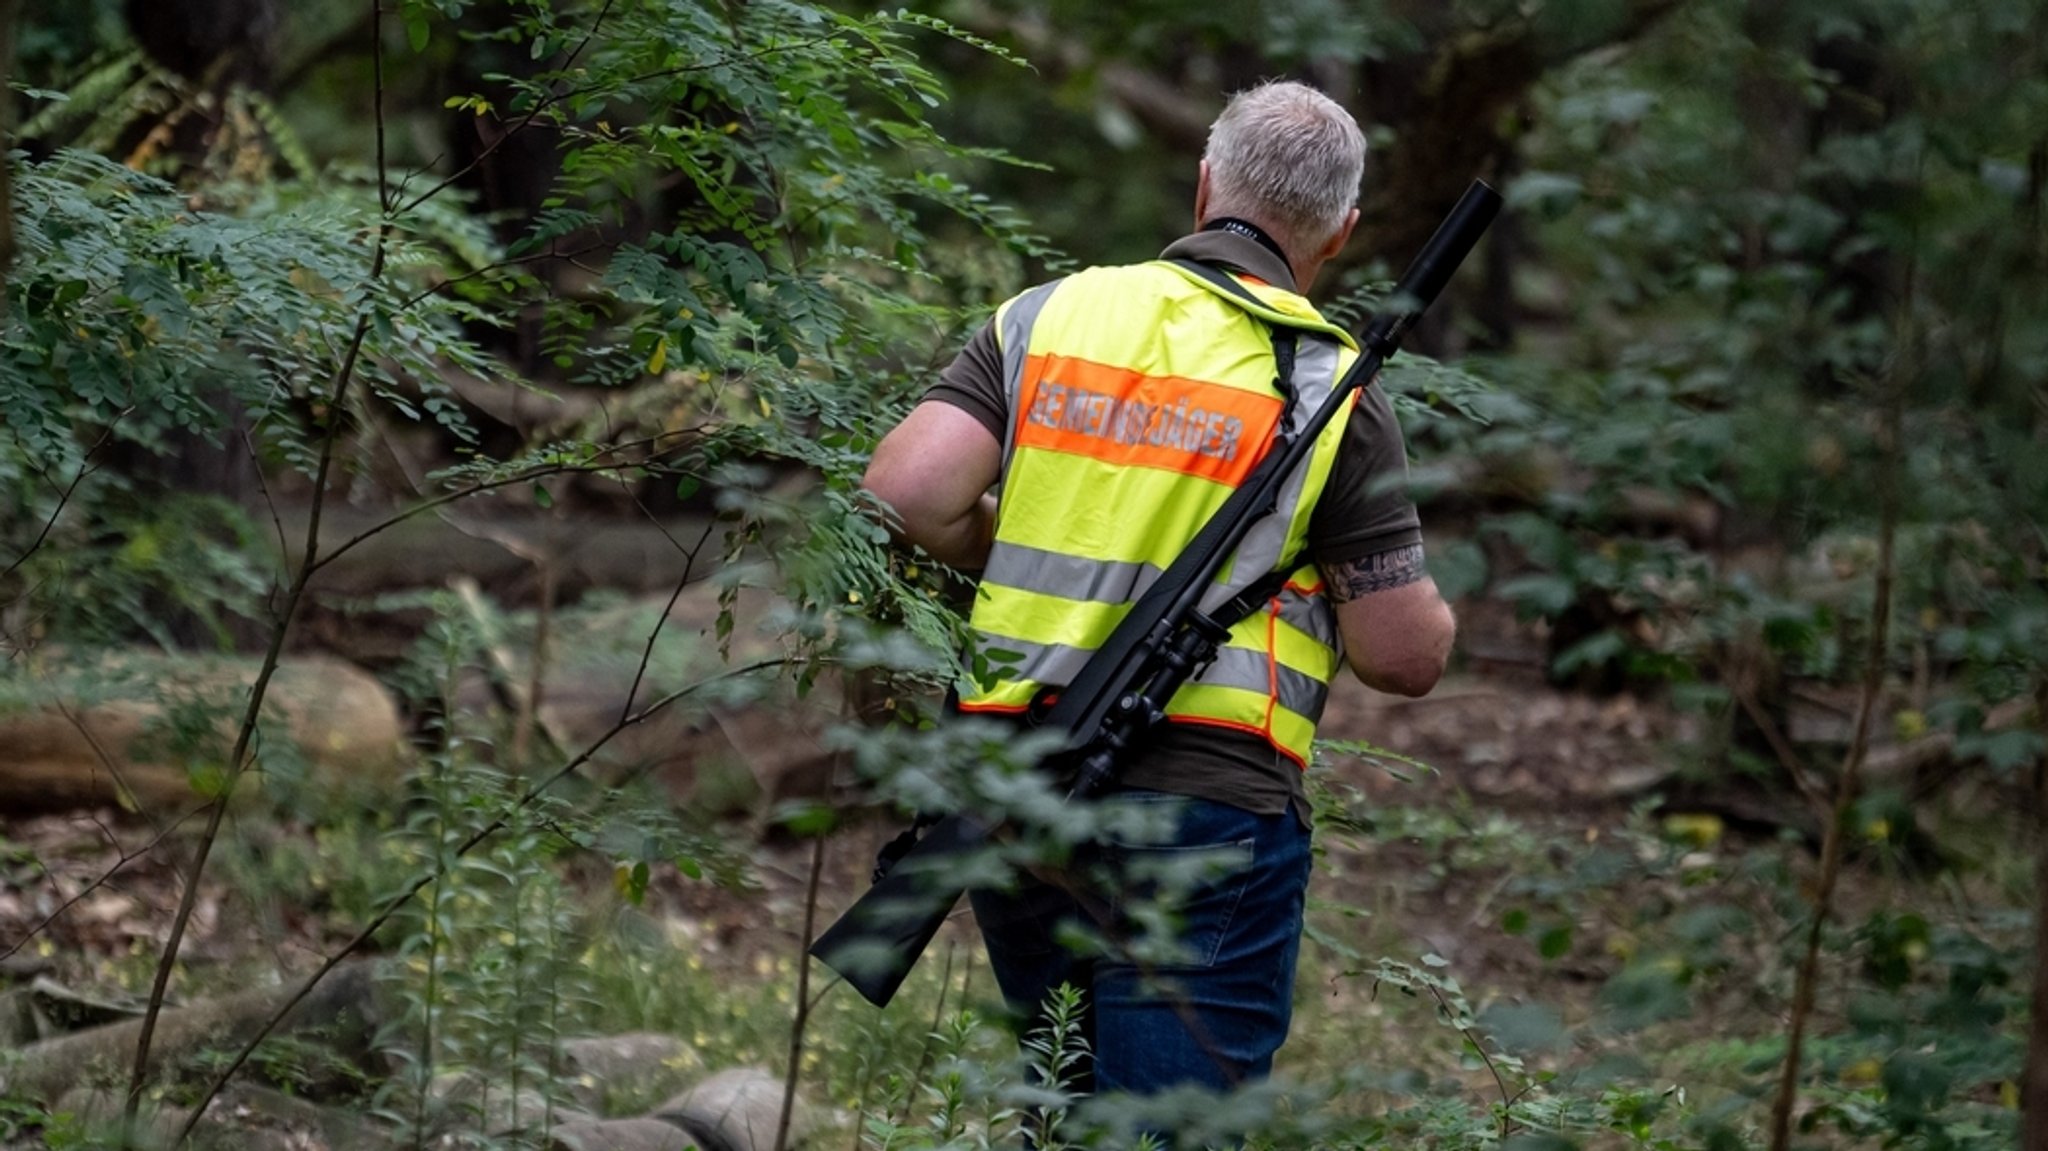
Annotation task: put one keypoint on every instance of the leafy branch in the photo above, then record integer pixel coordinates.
(475, 839)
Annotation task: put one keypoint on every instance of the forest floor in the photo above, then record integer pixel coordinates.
(1520, 846)
(1495, 738)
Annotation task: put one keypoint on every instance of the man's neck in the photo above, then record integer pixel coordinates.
(1238, 226)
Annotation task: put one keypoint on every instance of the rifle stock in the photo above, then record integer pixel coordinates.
(1122, 690)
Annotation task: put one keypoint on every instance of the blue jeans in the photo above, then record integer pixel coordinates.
(1211, 1010)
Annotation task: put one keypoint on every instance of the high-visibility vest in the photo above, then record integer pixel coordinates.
(1140, 397)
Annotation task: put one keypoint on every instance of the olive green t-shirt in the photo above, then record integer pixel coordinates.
(1362, 512)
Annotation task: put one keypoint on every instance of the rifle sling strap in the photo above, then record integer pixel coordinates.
(1285, 339)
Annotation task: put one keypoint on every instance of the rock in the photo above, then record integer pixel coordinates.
(343, 1012)
(624, 1135)
(59, 1009)
(17, 1018)
(119, 731)
(303, 1122)
(625, 1074)
(725, 752)
(738, 1110)
(45, 1008)
(468, 1101)
(99, 1111)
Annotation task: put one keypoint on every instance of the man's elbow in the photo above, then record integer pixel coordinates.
(1412, 664)
(1411, 678)
(904, 502)
(877, 482)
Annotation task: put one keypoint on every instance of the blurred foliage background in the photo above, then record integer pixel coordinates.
(1741, 411)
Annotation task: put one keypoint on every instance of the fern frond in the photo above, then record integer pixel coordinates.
(102, 85)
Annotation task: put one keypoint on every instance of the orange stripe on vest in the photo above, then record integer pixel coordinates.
(1120, 416)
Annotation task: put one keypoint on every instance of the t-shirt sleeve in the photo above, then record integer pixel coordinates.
(973, 382)
(1365, 508)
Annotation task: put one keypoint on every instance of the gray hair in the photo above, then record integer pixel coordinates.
(1288, 157)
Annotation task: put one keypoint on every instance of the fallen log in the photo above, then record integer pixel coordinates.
(150, 732)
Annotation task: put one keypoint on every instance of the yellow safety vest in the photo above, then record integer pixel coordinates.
(1140, 397)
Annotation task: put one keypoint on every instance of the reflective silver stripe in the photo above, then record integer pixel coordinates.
(1245, 668)
(1314, 616)
(1013, 332)
(1315, 377)
(1317, 358)
(1069, 577)
(1043, 663)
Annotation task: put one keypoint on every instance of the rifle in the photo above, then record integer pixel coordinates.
(1122, 691)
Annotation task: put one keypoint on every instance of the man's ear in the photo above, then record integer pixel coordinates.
(1341, 238)
(1202, 195)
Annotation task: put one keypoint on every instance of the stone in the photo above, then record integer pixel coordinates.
(623, 1135)
(738, 1109)
(625, 1074)
(469, 1101)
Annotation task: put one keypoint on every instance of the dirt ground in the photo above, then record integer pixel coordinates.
(1495, 735)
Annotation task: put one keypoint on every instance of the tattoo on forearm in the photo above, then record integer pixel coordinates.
(1383, 572)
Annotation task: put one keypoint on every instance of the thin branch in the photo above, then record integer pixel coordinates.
(476, 839)
(481, 486)
(105, 759)
(105, 878)
(557, 98)
(1465, 1029)
(269, 502)
(531, 115)
(682, 581)
(1803, 991)
(1788, 757)
(85, 468)
(803, 1000)
(344, 375)
(496, 266)
(377, 107)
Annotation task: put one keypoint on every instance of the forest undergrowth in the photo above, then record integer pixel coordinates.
(1536, 970)
(1730, 838)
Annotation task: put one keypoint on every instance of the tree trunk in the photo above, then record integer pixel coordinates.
(2034, 1094)
(7, 15)
(221, 42)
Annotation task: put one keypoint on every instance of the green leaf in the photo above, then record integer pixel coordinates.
(807, 820)
(541, 496)
(1555, 941)
(417, 30)
(1539, 1141)
(1524, 1028)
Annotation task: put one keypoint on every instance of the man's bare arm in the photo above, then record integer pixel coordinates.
(1397, 629)
(934, 470)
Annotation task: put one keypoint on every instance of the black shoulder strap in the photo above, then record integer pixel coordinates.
(1285, 339)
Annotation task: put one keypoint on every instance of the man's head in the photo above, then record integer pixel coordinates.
(1289, 159)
